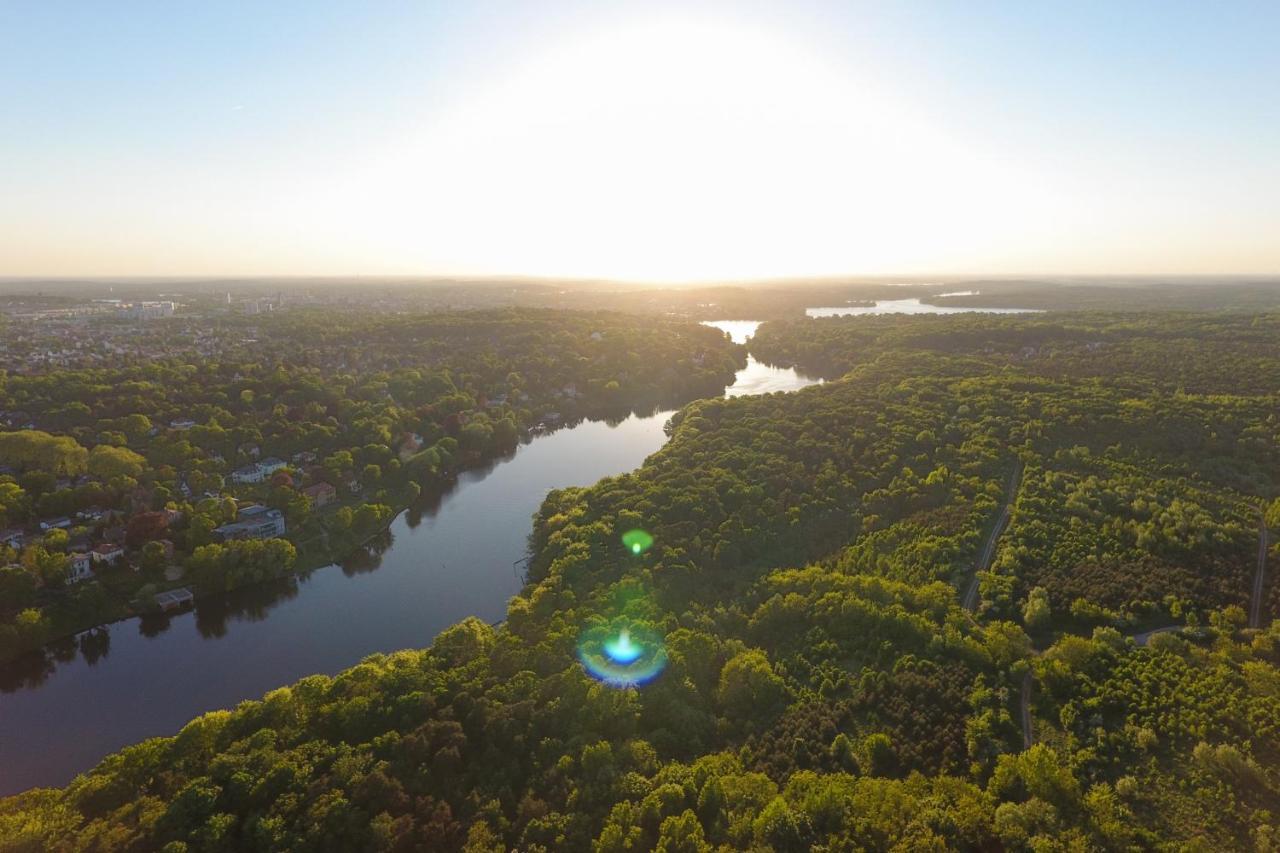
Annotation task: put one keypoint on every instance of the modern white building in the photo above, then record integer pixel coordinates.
(255, 522)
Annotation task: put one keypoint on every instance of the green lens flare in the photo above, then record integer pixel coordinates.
(622, 657)
(637, 541)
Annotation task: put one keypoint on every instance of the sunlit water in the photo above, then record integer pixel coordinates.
(910, 306)
(757, 377)
(443, 563)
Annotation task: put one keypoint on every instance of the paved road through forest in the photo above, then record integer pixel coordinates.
(970, 599)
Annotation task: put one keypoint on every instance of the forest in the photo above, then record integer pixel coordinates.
(824, 686)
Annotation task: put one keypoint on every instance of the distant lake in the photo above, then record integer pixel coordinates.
(453, 556)
(911, 306)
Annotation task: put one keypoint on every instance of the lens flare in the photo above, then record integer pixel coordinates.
(622, 650)
(622, 657)
(637, 541)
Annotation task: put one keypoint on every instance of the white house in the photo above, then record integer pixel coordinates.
(107, 552)
(80, 567)
(270, 465)
(247, 474)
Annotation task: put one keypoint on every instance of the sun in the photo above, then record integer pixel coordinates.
(680, 148)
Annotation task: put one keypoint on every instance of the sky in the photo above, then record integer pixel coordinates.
(648, 141)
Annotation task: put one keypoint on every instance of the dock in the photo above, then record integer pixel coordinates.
(175, 599)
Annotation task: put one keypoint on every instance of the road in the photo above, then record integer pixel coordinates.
(969, 601)
(1259, 579)
(1145, 637)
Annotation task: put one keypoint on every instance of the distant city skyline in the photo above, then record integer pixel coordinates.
(662, 142)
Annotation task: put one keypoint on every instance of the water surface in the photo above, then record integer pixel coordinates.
(910, 306)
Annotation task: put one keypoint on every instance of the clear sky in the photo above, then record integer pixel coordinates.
(647, 140)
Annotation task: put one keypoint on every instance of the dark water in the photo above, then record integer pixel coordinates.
(142, 678)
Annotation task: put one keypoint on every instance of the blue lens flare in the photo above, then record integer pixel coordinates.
(622, 650)
(625, 656)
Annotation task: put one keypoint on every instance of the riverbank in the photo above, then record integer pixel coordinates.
(448, 556)
(124, 597)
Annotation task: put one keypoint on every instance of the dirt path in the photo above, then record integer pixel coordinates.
(969, 601)
(1259, 578)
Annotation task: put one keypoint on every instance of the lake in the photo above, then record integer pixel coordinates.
(911, 306)
(453, 557)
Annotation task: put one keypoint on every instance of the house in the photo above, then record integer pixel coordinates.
(12, 537)
(55, 523)
(182, 424)
(167, 545)
(247, 474)
(270, 465)
(255, 522)
(107, 552)
(321, 494)
(303, 457)
(80, 567)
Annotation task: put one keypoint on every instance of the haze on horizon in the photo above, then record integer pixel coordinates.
(643, 141)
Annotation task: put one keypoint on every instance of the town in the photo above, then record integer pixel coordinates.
(143, 454)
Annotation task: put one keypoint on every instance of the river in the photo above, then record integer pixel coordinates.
(437, 565)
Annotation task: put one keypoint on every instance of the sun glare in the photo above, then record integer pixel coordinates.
(678, 148)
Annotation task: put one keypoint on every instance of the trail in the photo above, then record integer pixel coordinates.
(969, 601)
(1259, 578)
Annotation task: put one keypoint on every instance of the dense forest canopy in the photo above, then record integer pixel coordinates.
(823, 687)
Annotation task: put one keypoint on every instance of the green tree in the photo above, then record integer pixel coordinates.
(108, 462)
(749, 690)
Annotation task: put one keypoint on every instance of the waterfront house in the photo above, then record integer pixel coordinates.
(254, 522)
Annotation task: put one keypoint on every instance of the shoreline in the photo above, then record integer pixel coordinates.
(11, 665)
